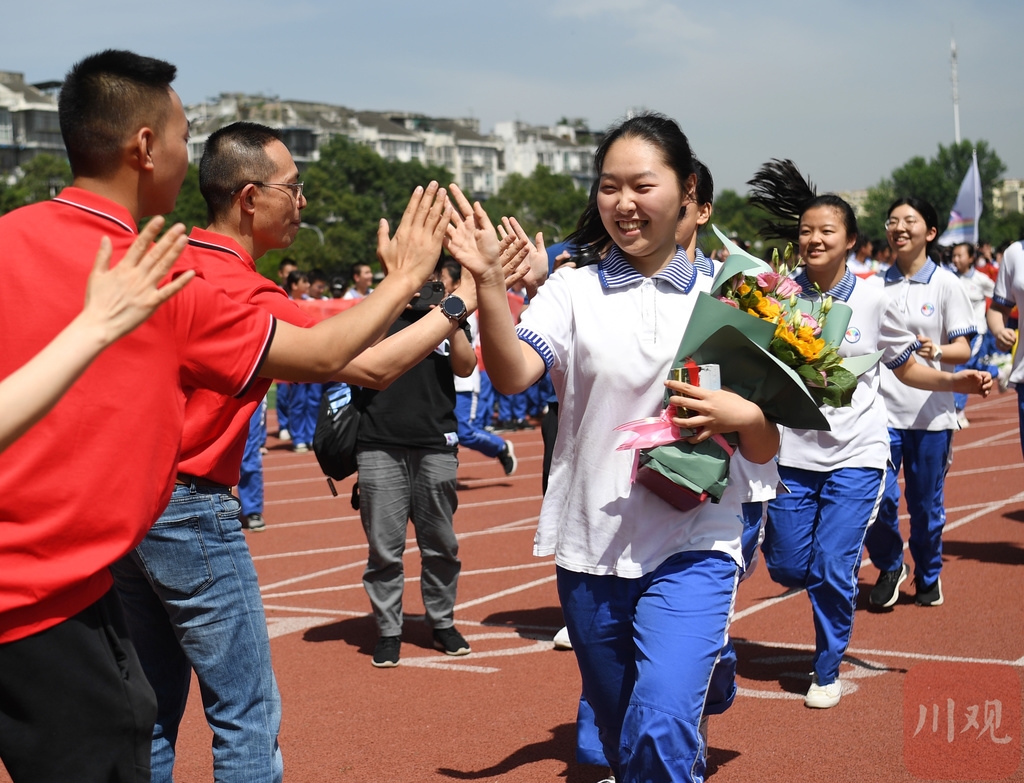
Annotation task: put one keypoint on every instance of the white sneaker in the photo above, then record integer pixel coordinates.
(821, 697)
(562, 641)
(284, 436)
(962, 420)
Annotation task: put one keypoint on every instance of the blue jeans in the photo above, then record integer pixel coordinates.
(814, 539)
(646, 649)
(192, 601)
(250, 481)
(924, 455)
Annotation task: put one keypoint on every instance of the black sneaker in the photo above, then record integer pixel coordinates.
(929, 596)
(385, 654)
(254, 522)
(507, 458)
(886, 591)
(450, 641)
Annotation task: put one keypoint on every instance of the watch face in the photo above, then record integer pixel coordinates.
(453, 307)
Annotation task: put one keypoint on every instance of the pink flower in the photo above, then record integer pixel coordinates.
(767, 281)
(730, 302)
(809, 320)
(787, 287)
(774, 283)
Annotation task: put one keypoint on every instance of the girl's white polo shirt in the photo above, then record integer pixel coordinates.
(859, 437)
(608, 335)
(1009, 292)
(934, 304)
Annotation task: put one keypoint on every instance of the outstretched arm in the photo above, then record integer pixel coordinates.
(956, 352)
(116, 301)
(379, 365)
(321, 352)
(920, 376)
(512, 365)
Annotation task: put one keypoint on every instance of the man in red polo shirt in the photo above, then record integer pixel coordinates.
(190, 590)
(83, 487)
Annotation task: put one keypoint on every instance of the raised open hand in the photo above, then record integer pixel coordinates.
(416, 245)
(535, 270)
(471, 238)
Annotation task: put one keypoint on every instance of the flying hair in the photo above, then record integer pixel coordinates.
(783, 192)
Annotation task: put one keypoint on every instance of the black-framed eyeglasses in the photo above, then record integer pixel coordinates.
(294, 187)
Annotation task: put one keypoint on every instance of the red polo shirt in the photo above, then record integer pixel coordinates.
(84, 485)
(215, 425)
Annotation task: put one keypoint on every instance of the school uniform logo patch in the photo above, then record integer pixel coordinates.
(853, 335)
(927, 309)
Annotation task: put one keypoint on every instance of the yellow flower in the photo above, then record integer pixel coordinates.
(768, 309)
(806, 344)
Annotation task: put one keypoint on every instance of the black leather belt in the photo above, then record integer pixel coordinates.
(188, 480)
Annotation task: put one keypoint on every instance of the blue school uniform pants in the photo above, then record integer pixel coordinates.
(250, 479)
(721, 689)
(814, 539)
(924, 455)
(646, 649)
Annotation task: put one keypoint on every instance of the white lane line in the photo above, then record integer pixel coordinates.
(408, 580)
(483, 504)
(528, 523)
(974, 471)
(913, 656)
(503, 593)
(983, 510)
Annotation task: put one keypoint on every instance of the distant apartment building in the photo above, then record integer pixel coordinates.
(1008, 196)
(479, 163)
(28, 120)
(560, 148)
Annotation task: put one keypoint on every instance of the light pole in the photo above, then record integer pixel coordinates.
(319, 233)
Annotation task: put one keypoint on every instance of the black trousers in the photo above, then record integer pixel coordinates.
(75, 706)
(548, 432)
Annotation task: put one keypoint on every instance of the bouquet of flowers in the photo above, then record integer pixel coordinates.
(797, 341)
(773, 348)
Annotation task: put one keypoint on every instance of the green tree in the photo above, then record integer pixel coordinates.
(937, 181)
(737, 218)
(190, 208)
(348, 191)
(542, 201)
(42, 178)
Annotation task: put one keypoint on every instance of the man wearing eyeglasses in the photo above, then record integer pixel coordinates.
(190, 590)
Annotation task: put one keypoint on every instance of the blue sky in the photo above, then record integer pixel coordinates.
(849, 90)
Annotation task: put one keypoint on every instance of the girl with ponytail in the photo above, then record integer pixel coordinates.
(815, 534)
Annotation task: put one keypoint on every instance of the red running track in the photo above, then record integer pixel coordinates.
(507, 711)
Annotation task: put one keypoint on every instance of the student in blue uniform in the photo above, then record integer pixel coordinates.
(646, 589)
(921, 423)
(815, 533)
